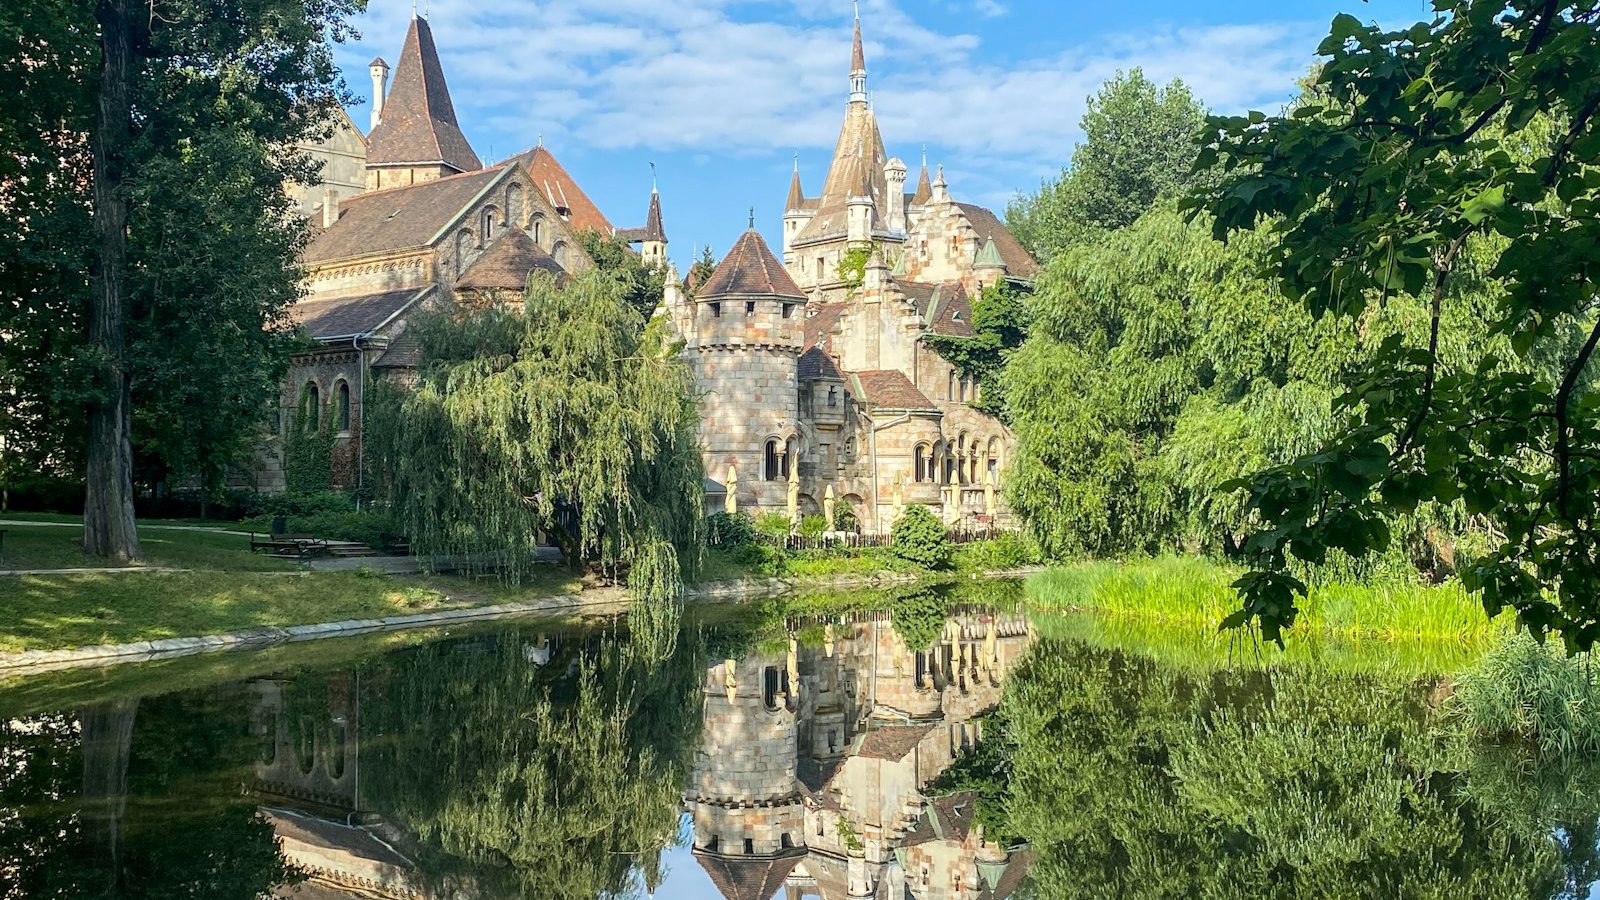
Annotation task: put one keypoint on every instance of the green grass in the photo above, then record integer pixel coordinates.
(47, 546)
(1191, 592)
(59, 611)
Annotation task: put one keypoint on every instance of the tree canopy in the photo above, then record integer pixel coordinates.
(1420, 159)
(1140, 141)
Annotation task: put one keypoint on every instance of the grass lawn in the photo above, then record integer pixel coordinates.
(53, 546)
(58, 611)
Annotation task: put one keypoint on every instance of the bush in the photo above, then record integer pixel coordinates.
(919, 537)
(730, 531)
(308, 503)
(1527, 692)
(773, 524)
(813, 526)
(1006, 550)
(375, 529)
(764, 559)
(844, 517)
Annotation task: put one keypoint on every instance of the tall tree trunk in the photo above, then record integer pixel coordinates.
(106, 736)
(108, 527)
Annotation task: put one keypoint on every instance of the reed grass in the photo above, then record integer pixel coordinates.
(1533, 694)
(1195, 593)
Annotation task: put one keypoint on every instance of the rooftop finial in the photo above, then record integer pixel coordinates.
(752, 218)
(797, 160)
(652, 178)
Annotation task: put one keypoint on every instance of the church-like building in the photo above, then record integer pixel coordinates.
(405, 218)
(819, 369)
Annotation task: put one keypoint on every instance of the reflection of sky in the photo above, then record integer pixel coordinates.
(686, 880)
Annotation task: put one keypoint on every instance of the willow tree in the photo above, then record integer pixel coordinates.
(570, 418)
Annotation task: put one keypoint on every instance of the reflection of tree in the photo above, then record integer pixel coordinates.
(531, 781)
(114, 805)
(1134, 781)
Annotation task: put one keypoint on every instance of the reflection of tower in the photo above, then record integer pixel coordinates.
(743, 796)
(309, 749)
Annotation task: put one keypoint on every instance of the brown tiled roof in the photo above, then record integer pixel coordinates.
(405, 352)
(819, 322)
(507, 264)
(945, 306)
(563, 192)
(892, 742)
(924, 188)
(398, 218)
(858, 158)
(1019, 264)
(418, 124)
(346, 316)
(816, 363)
(651, 230)
(748, 879)
(750, 268)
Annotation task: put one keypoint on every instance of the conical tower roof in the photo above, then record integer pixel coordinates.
(858, 56)
(653, 229)
(924, 188)
(419, 121)
(797, 196)
(750, 269)
(989, 257)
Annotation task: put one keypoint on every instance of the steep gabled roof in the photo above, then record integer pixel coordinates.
(398, 218)
(507, 264)
(562, 191)
(816, 364)
(418, 124)
(892, 742)
(1019, 263)
(857, 168)
(750, 269)
(945, 307)
(820, 322)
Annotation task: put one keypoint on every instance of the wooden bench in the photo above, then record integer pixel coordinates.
(289, 546)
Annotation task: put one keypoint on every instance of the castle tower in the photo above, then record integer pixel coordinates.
(416, 137)
(988, 266)
(653, 240)
(746, 338)
(795, 214)
(894, 177)
(380, 88)
(743, 796)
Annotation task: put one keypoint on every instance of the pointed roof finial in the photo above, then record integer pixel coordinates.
(652, 178)
(752, 218)
(797, 160)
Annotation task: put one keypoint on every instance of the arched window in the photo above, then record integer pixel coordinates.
(772, 465)
(514, 206)
(486, 226)
(559, 252)
(961, 460)
(463, 244)
(950, 393)
(311, 405)
(536, 228)
(924, 463)
(994, 458)
(342, 397)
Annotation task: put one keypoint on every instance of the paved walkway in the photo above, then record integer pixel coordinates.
(87, 570)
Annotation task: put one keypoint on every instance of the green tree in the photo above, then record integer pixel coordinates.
(568, 418)
(153, 257)
(920, 537)
(999, 325)
(1420, 155)
(701, 269)
(1139, 145)
(642, 283)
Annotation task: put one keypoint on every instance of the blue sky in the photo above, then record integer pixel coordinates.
(720, 94)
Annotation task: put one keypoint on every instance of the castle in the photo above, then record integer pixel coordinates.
(817, 373)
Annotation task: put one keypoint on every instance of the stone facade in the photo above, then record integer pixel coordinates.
(864, 404)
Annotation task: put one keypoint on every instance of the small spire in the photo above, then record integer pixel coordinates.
(858, 66)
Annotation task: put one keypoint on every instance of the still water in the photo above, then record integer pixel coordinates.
(949, 746)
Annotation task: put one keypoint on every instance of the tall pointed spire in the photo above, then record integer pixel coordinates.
(797, 196)
(653, 229)
(418, 128)
(924, 191)
(858, 66)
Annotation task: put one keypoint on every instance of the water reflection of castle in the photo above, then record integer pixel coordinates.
(813, 762)
(809, 775)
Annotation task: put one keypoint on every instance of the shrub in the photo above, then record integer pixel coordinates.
(1006, 550)
(764, 559)
(844, 517)
(813, 526)
(919, 537)
(1524, 691)
(307, 503)
(375, 529)
(773, 524)
(730, 531)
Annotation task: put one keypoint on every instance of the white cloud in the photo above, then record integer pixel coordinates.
(715, 76)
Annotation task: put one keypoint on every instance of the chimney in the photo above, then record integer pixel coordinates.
(380, 87)
(330, 207)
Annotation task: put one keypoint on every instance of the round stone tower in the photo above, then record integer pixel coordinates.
(746, 340)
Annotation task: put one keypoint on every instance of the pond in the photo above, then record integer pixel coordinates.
(934, 743)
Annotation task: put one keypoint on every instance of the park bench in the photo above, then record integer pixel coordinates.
(288, 546)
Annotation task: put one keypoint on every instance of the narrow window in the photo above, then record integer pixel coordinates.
(950, 391)
(749, 847)
(833, 396)
(788, 310)
(311, 404)
(750, 308)
(771, 464)
(716, 310)
(344, 406)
